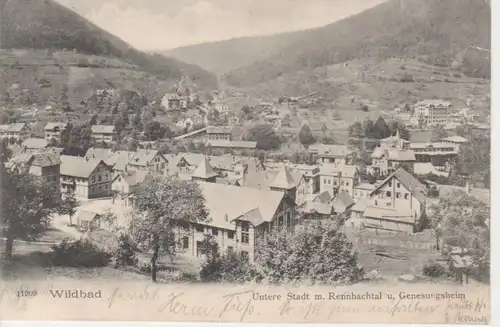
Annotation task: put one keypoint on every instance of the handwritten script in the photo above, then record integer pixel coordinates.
(221, 303)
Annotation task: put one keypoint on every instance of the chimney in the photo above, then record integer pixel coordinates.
(226, 217)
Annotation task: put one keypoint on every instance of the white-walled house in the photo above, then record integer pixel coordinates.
(398, 203)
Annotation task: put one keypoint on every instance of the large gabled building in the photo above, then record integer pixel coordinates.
(398, 203)
(88, 178)
(238, 217)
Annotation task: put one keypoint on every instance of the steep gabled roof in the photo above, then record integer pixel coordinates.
(343, 198)
(143, 157)
(409, 181)
(78, 166)
(283, 180)
(226, 203)
(204, 170)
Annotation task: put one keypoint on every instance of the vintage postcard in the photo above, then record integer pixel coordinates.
(319, 161)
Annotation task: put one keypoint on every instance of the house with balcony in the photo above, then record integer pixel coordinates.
(89, 179)
(104, 133)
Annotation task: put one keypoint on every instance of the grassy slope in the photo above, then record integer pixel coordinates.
(42, 24)
(40, 77)
(435, 31)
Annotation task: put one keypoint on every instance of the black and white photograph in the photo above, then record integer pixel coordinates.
(283, 143)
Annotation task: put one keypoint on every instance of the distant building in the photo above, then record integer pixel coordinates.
(219, 133)
(88, 178)
(362, 191)
(236, 145)
(338, 155)
(457, 141)
(385, 161)
(429, 113)
(124, 185)
(34, 143)
(335, 180)
(173, 101)
(54, 130)
(437, 153)
(18, 131)
(221, 106)
(104, 133)
(151, 160)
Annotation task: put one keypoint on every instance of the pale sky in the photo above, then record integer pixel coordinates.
(164, 24)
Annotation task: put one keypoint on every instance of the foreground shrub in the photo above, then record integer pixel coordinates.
(317, 253)
(124, 254)
(229, 268)
(79, 253)
(434, 270)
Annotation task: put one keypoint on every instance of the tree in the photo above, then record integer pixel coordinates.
(381, 129)
(23, 213)
(369, 129)
(305, 136)
(395, 126)
(355, 130)
(165, 204)
(68, 205)
(265, 136)
(475, 156)
(463, 221)
(317, 251)
(225, 268)
(438, 133)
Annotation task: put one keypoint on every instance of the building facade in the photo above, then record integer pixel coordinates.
(17, 131)
(430, 113)
(398, 203)
(104, 133)
(219, 133)
(53, 131)
(88, 178)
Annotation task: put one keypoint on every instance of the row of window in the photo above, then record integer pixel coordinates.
(399, 195)
(99, 178)
(99, 188)
(328, 181)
